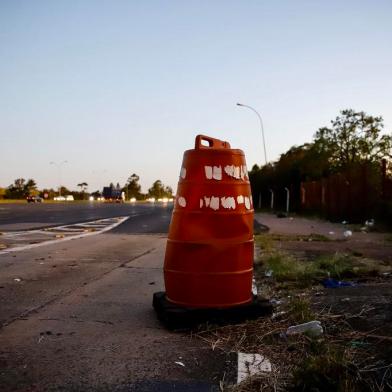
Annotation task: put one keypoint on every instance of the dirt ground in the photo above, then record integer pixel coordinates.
(354, 352)
(365, 308)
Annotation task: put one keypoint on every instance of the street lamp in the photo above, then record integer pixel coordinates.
(261, 126)
(59, 165)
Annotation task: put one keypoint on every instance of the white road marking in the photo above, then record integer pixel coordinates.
(119, 221)
(251, 364)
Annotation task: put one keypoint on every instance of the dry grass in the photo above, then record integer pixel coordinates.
(338, 360)
(341, 359)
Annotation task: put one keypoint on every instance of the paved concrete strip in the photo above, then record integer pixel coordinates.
(66, 235)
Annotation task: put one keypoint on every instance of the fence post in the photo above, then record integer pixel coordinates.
(272, 199)
(287, 199)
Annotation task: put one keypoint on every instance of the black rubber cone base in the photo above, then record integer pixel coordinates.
(178, 317)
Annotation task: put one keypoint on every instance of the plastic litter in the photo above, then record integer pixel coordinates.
(278, 315)
(331, 233)
(268, 273)
(331, 283)
(180, 363)
(358, 344)
(344, 222)
(276, 301)
(347, 233)
(369, 223)
(17, 279)
(312, 328)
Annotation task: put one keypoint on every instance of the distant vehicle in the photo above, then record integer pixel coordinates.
(33, 199)
(112, 194)
(64, 198)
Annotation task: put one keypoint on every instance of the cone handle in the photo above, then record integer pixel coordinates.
(212, 143)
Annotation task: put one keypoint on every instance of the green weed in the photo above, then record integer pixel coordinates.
(300, 310)
(327, 371)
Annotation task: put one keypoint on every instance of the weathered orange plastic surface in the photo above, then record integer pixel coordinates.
(209, 252)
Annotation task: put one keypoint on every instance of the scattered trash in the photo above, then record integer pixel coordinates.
(291, 218)
(312, 328)
(278, 315)
(276, 302)
(17, 279)
(268, 273)
(369, 223)
(345, 299)
(334, 284)
(347, 233)
(358, 344)
(180, 363)
(344, 222)
(42, 263)
(251, 364)
(40, 339)
(59, 235)
(318, 293)
(331, 233)
(386, 273)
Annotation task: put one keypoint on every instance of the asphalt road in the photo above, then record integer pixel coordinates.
(77, 315)
(150, 218)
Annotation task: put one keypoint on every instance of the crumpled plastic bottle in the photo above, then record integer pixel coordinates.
(312, 328)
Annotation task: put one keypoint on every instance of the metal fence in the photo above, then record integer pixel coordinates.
(355, 195)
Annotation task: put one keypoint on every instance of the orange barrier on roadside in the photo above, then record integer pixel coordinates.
(209, 252)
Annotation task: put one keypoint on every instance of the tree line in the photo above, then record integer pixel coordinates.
(21, 188)
(353, 140)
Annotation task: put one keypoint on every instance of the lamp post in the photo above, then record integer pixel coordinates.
(262, 134)
(261, 127)
(59, 166)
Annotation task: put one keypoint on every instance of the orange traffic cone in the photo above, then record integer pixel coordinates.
(209, 253)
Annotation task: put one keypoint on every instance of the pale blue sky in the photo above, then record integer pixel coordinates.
(117, 87)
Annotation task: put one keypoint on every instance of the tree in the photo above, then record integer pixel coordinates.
(83, 186)
(159, 190)
(132, 187)
(21, 188)
(354, 137)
